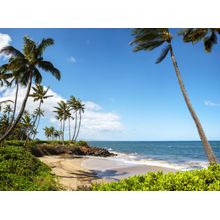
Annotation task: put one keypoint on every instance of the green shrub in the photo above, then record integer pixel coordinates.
(82, 143)
(17, 143)
(195, 180)
(20, 170)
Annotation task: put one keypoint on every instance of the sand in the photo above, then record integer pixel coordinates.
(69, 171)
(113, 170)
(74, 172)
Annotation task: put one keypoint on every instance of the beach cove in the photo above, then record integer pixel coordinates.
(76, 172)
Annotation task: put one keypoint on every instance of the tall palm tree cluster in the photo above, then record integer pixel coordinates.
(148, 39)
(23, 69)
(27, 127)
(52, 134)
(70, 110)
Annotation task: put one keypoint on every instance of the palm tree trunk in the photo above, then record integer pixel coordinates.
(80, 117)
(15, 104)
(8, 132)
(63, 129)
(35, 120)
(74, 133)
(207, 146)
(32, 127)
(37, 126)
(69, 130)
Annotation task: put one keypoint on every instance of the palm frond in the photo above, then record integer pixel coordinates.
(148, 45)
(11, 51)
(184, 31)
(194, 34)
(37, 76)
(163, 54)
(17, 63)
(43, 45)
(146, 34)
(210, 41)
(29, 47)
(49, 67)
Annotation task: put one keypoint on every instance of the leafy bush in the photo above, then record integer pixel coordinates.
(14, 143)
(20, 170)
(82, 143)
(196, 180)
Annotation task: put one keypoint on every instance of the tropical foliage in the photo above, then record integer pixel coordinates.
(20, 170)
(24, 67)
(195, 180)
(207, 35)
(70, 110)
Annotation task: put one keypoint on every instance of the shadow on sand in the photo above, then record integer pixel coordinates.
(110, 174)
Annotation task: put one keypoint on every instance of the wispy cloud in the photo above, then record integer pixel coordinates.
(95, 121)
(5, 40)
(72, 59)
(210, 103)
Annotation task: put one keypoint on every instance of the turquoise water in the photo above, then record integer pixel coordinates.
(176, 154)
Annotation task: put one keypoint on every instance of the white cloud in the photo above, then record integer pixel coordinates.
(92, 106)
(5, 40)
(210, 103)
(95, 122)
(72, 59)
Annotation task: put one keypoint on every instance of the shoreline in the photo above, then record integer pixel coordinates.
(82, 171)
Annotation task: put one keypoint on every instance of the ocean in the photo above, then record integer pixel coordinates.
(181, 155)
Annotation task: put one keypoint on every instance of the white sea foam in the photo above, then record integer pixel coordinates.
(135, 159)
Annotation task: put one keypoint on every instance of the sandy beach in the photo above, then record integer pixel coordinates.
(73, 172)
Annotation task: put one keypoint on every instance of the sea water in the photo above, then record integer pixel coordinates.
(181, 155)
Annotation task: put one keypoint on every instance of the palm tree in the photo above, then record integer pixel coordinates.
(39, 94)
(69, 119)
(37, 114)
(72, 103)
(81, 108)
(5, 101)
(4, 77)
(208, 35)
(4, 121)
(27, 64)
(26, 121)
(63, 113)
(148, 39)
(47, 132)
(51, 131)
(8, 110)
(56, 134)
(58, 116)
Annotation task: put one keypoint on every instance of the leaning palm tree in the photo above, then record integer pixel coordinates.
(38, 113)
(58, 116)
(208, 35)
(39, 94)
(27, 124)
(148, 39)
(81, 108)
(28, 64)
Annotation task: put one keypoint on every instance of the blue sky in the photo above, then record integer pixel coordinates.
(130, 97)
